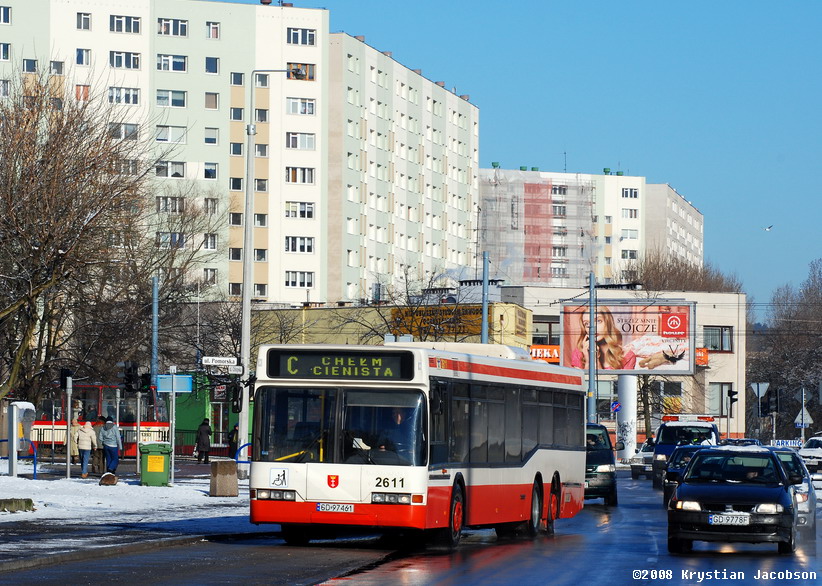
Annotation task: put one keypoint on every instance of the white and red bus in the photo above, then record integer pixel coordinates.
(92, 401)
(428, 437)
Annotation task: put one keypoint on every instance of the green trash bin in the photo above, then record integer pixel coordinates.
(154, 463)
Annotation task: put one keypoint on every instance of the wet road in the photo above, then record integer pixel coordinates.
(613, 545)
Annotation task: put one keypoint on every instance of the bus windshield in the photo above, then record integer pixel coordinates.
(332, 425)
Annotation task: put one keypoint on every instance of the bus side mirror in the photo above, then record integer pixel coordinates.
(620, 445)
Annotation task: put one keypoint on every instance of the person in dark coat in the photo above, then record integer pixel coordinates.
(233, 435)
(203, 441)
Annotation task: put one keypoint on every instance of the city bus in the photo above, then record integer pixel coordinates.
(89, 402)
(424, 439)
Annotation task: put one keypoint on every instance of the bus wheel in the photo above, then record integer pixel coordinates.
(295, 535)
(532, 530)
(553, 508)
(456, 518)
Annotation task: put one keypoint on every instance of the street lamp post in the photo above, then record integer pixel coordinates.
(248, 243)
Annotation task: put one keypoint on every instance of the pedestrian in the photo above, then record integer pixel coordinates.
(203, 441)
(75, 453)
(86, 441)
(97, 458)
(233, 436)
(112, 445)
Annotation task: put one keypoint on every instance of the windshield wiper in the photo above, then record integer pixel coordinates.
(309, 447)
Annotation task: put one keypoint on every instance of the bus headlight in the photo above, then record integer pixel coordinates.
(390, 498)
(274, 495)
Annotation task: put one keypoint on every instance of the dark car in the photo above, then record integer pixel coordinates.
(677, 463)
(671, 434)
(734, 494)
(805, 492)
(600, 465)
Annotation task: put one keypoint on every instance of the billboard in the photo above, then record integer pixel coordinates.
(631, 338)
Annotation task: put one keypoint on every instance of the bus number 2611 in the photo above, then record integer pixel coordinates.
(386, 482)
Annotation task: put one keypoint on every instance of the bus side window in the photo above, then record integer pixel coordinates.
(439, 419)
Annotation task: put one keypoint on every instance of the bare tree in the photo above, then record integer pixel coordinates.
(77, 195)
(429, 309)
(786, 353)
(659, 271)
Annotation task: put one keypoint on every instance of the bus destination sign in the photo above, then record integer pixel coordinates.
(339, 364)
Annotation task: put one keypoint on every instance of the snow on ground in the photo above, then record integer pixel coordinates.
(84, 500)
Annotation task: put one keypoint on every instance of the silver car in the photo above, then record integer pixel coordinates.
(642, 462)
(811, 454)
(805, 492)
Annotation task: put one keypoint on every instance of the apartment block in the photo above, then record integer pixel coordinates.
(403, 172)
(555, 229)
(362, 168)
(181, 73)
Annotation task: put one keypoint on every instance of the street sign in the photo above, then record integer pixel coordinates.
(615, 407)
(759, 389)
(803, 417)
(182, 383)
(235, 369)
(219, 361)
(787, 443)
(802, 424)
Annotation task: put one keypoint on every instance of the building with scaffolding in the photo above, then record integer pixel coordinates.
(555, 229)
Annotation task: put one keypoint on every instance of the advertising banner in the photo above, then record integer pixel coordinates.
(631, 338)
(546, 352)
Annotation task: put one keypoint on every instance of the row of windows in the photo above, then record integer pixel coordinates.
(292, 209)
(173, 27)
(293, 279)
(484, 423)
(177, 169)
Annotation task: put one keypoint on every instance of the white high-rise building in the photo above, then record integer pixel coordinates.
(403, 164)
(362, 167)
(182, 70)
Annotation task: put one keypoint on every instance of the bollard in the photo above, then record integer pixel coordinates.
(224, 478)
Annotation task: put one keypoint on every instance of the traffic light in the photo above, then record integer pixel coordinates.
(145, 382)
(773, 401)
(236, 394)
(65, 374)
(129, 377)
(764, 406)
(731, 400)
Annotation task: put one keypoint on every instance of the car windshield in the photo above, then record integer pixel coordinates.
(597, 439)
(790, 462)
(732, 467)
(813, 443)
(684, 434)
(680, 458)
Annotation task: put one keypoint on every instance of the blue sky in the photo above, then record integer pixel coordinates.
(718, 99)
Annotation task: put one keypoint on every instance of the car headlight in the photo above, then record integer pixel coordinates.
(688, 505)
(661, 457)
(768, 508)
(606, 468)
(801, 497)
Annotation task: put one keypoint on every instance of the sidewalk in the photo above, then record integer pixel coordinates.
(76, 518)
